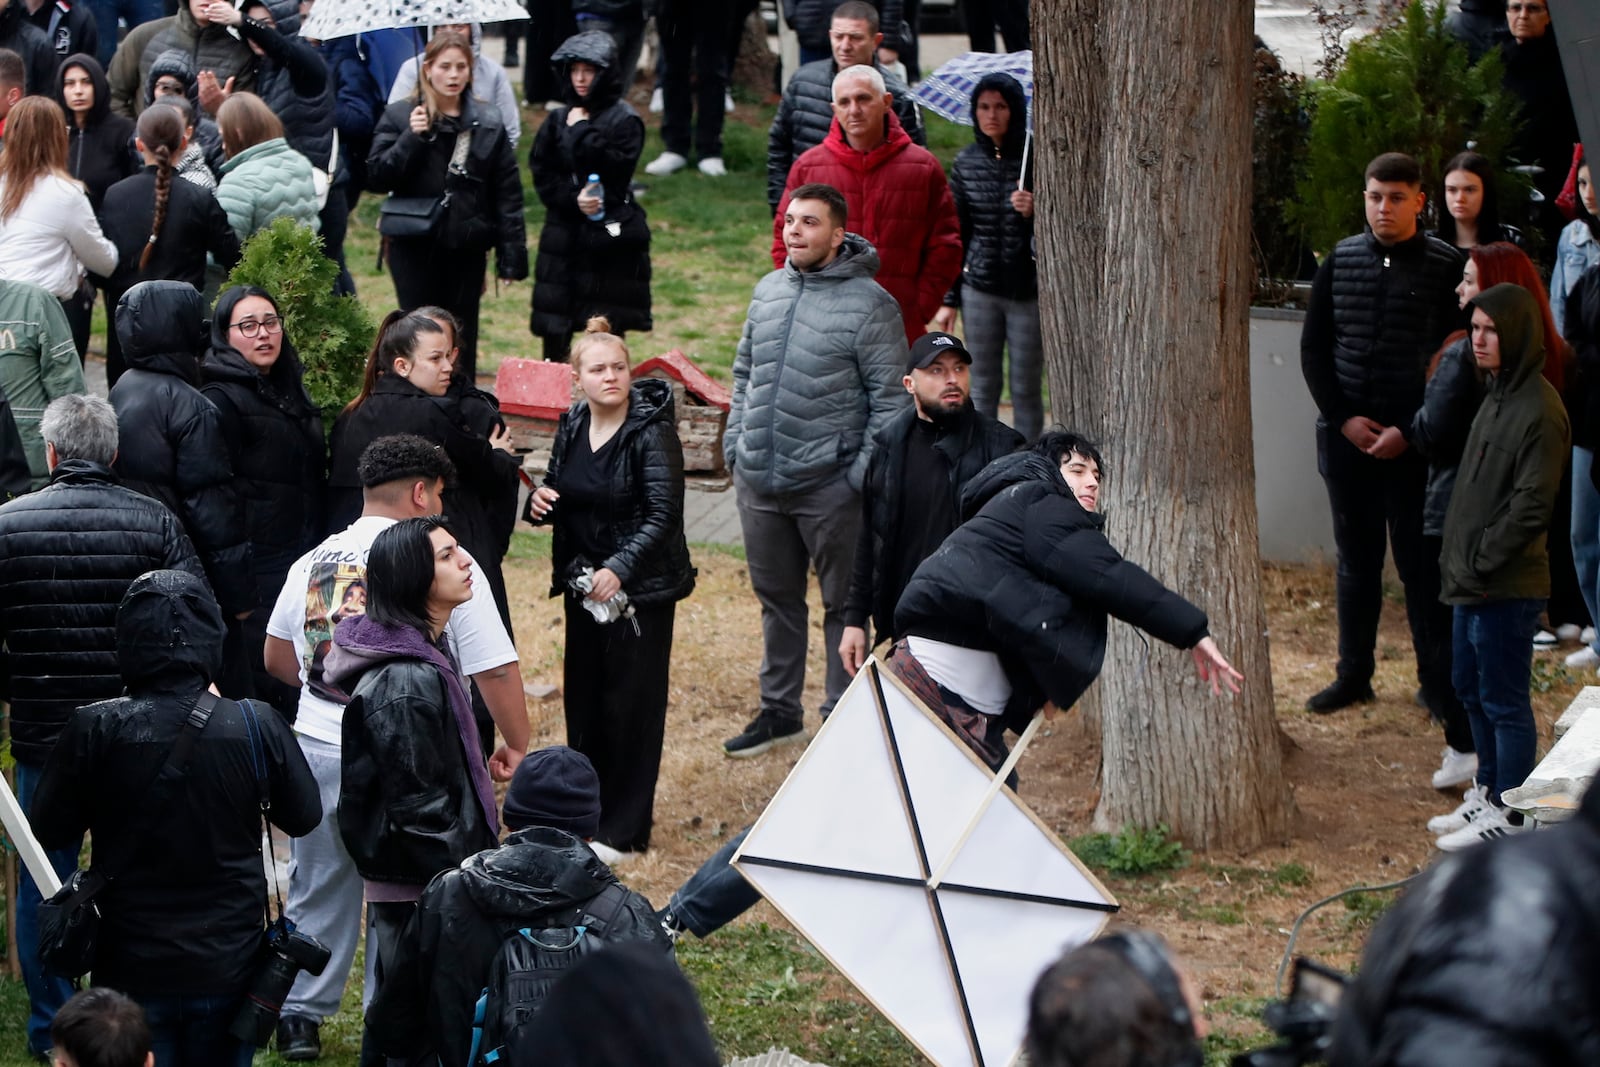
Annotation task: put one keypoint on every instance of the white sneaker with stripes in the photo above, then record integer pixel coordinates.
(1491, 825)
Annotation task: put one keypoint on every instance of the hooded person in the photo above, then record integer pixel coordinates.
(182, 918)
(172, 74)
(173, 448)
(544, 875)
(100, 149)
(594, 253)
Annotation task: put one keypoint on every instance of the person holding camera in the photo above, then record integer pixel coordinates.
(170, 782)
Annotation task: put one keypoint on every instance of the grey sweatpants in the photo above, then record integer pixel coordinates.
(993, 323)
(785, 535)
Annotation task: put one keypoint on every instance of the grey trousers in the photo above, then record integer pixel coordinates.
(992, 323)
(325, 892)
(785, 536)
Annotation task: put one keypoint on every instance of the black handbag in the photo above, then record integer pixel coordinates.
(69, 921)
(411, 216)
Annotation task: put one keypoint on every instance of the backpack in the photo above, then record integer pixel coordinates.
(527, 965)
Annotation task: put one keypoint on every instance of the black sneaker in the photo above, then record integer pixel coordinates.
(299, 1038)
(764, 732)
(1341, 694)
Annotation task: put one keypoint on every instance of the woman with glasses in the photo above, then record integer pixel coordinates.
(273, 432)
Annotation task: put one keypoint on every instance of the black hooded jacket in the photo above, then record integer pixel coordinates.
(294, 81)
(644, 513)
(1439, 430)
(540, 877)
(195, 225)
(1031, 576)
(275, 443)
(586, 267)
(185, 908)
(67, 555)
(172, 444)
(180, 64)
(997, 239)
(38, 54)
(100, 152)
(1523, 912)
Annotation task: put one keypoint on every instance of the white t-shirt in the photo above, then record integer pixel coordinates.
(329, 583)
(973, 674)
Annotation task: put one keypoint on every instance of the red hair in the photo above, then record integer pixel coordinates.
(1505, 263)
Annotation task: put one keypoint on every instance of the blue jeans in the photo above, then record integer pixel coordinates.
(192, 1031)
(716, 894)
(106, 13)
(1586, 532)
(46, 993)
(1493, 655)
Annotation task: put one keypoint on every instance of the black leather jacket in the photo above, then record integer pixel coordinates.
(1439, 431)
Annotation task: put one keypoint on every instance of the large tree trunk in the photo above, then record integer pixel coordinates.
(1143, 111)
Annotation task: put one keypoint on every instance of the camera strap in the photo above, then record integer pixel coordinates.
(170, 773)
(258, 764)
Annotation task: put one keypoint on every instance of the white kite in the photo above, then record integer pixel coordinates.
(903, 859)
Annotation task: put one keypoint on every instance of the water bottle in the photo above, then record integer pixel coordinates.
(595, 189)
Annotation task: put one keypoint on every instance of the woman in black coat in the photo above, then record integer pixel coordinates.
(614, 495)
(594, 254)
(414, 151)
(273, 432)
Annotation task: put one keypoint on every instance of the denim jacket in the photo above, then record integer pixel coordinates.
(1576, 252)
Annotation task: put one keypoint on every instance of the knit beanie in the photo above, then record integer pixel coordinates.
(555, 787)
(175, 63)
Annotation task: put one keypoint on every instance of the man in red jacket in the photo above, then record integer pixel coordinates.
(896, 192)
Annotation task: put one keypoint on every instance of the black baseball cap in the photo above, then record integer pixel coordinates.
(930, 346)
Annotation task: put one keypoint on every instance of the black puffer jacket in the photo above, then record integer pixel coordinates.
(100, 153)
(195, 225)
(811, 20)
(1030, 576)
(806, 112)
(485, 204)
(38, 54)
(180, 65)
(210, 47)
(172, 444)
(1480, 25)
(1439, 431)
(1522, 910)
(67, 555)
(274, 437)
(645, 512)
(185, 915)
(970, 445)
(1376, 316)
(586, 267)
(294, 81)
(998, 240)
(540, 878)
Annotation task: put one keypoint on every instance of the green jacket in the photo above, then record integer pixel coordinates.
(1494, 530)
(264, 182)
(37, 363)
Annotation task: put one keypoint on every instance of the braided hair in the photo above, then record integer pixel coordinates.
(161, 131)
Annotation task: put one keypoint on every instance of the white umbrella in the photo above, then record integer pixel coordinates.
(929, 885)
(343, 18)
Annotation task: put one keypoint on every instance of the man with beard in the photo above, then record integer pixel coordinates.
(911, 494)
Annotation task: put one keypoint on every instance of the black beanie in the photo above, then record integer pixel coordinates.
(555, 787)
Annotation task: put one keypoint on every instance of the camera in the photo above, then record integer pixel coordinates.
(286, 953)
(1304, 1022)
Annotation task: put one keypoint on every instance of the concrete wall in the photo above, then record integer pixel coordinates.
(1290, 500)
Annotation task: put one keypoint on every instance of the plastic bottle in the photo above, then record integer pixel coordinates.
(595, 189)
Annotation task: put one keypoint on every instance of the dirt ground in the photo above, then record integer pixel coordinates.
(1360, 777)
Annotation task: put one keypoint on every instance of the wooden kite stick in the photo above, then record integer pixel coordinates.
(989, 794)
(15, 822)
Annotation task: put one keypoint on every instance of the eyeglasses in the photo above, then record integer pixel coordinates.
(1532, 9)
(250, 327)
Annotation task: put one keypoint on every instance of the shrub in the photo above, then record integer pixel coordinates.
(331, 333)
(1281, 137)
(1132, 852)
(1409, 88)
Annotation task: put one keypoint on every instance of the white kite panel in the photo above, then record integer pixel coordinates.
(885, 939)
(1001, 946)
(1009, 851)
(946, 782)
(847, 812)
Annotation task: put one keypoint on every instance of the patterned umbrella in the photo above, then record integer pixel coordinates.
(947, 92)
(344, 18)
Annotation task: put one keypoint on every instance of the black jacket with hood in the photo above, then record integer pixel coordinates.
(275, 443)
(180, 64)
(997, 239)
(172, 444)
(185, 909)
(1495, 529)
(1030, 575)
(1524, 911)
(21, 36)
(293, 79)
(100, 152)
(645, 510)
(540, 878)
(586, 267)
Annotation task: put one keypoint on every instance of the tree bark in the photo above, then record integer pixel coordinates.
(1142, 113)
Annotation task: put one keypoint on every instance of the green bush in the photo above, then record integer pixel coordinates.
(1281, 137)
(331, 333)
(1132, 852)
(1407, 88)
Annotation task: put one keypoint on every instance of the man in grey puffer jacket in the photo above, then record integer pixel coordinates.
(817, 375)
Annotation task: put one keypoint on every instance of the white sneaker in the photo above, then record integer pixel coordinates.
(656, 103)
(727, 102)
(1457, 768)
(1568, 632)
(1544, 639)
(1588, 635)
(1490, 826)
(664, 164)
(1474, 802)
(609, 856)
(1585, 658)
(713, 167)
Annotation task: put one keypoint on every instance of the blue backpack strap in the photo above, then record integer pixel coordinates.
(479, 1010)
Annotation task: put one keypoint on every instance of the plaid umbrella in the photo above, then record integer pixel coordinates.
(345, 18)
(947, 92)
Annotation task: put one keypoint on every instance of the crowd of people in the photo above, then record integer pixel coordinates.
(334, 581)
